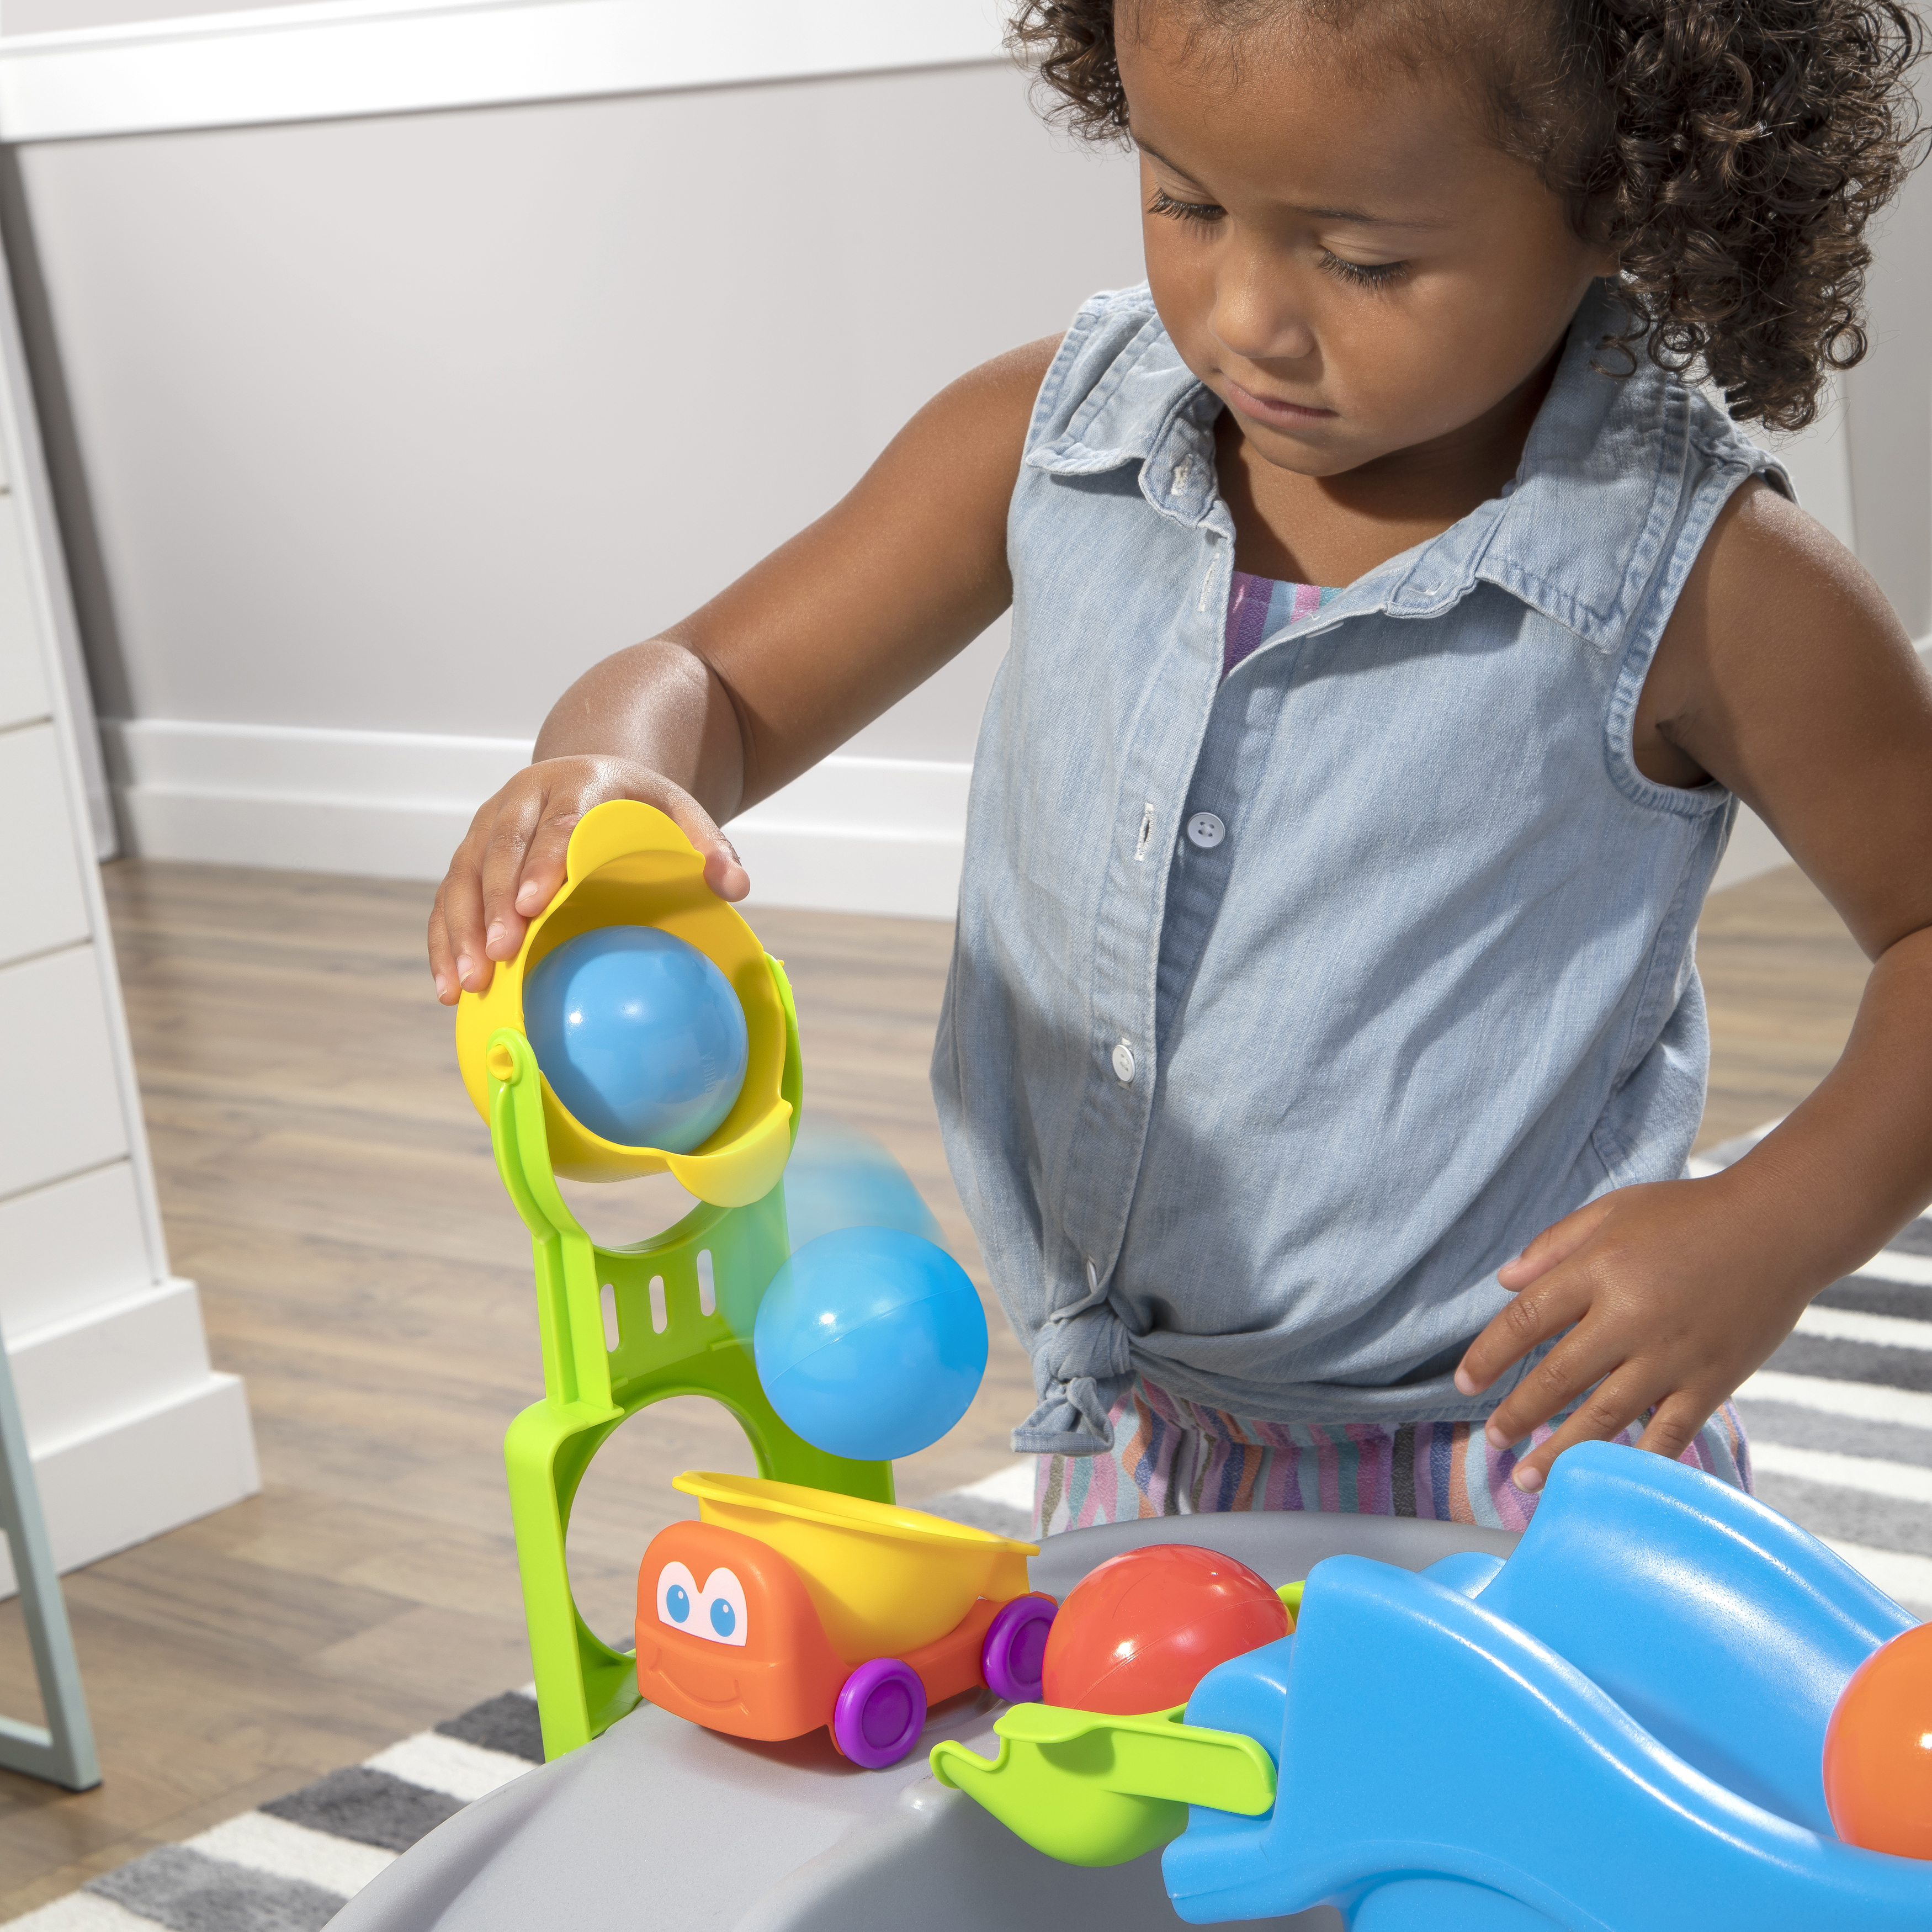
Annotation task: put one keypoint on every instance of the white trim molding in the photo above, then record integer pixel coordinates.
(853, 835)
(332, 59)
(130, 1431)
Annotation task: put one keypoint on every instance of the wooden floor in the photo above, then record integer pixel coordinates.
(325, 1180)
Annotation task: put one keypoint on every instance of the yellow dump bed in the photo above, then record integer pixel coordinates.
(883, 1580)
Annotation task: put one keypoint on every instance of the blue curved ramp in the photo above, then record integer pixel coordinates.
(1499, 1762)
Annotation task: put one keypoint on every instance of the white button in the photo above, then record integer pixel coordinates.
(1123, 1063)
(1206, 831)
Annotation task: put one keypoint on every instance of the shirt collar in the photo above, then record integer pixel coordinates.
(1620, 445)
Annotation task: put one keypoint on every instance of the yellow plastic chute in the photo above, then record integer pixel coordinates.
(629, 864)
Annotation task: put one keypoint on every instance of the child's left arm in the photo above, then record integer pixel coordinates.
(1785, 676)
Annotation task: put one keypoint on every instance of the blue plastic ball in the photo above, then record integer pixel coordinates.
(871, 1343)
(639, 1036)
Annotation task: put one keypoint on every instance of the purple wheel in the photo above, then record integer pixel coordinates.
(880, 1713)
(1016, 1645)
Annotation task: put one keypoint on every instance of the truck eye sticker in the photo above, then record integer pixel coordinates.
(677, 1596)
(716, 1613)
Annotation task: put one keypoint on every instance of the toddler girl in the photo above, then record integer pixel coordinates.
(1394, 629)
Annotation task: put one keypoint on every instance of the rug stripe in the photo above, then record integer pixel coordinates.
(1851, 1324)
(465, 1771)
(1869, 1401)
(369, 1806)
(1854, 1516)
(186, 1892)
(1910, 1368)
(1781, 1424)
(81, 1911)
(1901, 1298)
(293, 1851)
(507, 1723)
(1906, 1578)
(1895, 1264)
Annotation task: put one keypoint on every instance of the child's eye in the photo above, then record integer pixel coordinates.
(1164, 203)
(1369, 275)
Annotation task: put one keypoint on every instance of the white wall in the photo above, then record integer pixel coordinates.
(389, 427)
(376, 429)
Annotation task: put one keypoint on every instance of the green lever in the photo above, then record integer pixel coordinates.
(1091, 1789)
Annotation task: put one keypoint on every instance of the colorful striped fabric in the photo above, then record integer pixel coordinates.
(1258, 606)
(1175, 1458)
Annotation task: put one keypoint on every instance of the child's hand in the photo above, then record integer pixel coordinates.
(511, 862)
(1672, 1293)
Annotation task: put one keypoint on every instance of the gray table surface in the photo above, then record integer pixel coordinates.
(660, 1823)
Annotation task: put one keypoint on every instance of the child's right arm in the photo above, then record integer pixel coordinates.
(742, 696)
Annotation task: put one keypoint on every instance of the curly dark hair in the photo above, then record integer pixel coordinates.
(1730, 152)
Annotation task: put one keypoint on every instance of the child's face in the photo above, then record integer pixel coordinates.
(1350, 266)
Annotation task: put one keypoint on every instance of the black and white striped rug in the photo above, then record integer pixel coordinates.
(292, 1864)
(1840, 1418)
(1840, 1425)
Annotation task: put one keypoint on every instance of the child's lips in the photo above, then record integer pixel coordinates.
(1274, 409)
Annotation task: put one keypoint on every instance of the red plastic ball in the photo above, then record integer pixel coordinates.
(1139, 1632)
(1878, 1750)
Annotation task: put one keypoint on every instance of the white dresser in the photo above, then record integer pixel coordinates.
(131, 1431)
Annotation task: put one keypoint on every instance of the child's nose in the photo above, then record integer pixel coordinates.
(1258, 313)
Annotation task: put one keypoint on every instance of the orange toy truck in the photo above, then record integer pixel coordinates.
(786, 1608)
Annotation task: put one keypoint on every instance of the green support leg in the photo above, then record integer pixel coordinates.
(61, 1751)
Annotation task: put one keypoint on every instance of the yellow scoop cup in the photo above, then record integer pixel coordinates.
(629, 864)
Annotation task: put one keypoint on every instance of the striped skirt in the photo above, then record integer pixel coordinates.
(1176, 1458)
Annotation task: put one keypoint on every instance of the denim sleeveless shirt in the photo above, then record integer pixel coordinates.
(1260, 1117)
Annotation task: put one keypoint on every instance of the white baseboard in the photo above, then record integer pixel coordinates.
(853, 835)
(130, 1431)
(862, 834)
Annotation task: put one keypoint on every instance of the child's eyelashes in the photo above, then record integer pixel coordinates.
(1164, 203)
(1364, 274)
(1369, 275)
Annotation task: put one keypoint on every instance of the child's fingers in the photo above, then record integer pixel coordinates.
(1534, 1315)
(521, 808)
(457, 959)
(1674, 1427)
(1578, 1364)
(724, 871)
(1606, 1411)
(512, 860)
(1557, 1243)
(442, 955)
(542, 870)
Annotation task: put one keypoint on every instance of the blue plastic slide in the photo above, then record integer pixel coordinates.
(1620, 1729)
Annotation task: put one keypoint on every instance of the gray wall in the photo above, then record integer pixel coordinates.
(397, 425)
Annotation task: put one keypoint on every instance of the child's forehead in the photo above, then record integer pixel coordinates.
(1232, 34)
(1243, 49)
(1296, 127)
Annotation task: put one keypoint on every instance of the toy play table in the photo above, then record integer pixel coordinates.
(659, 1824)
